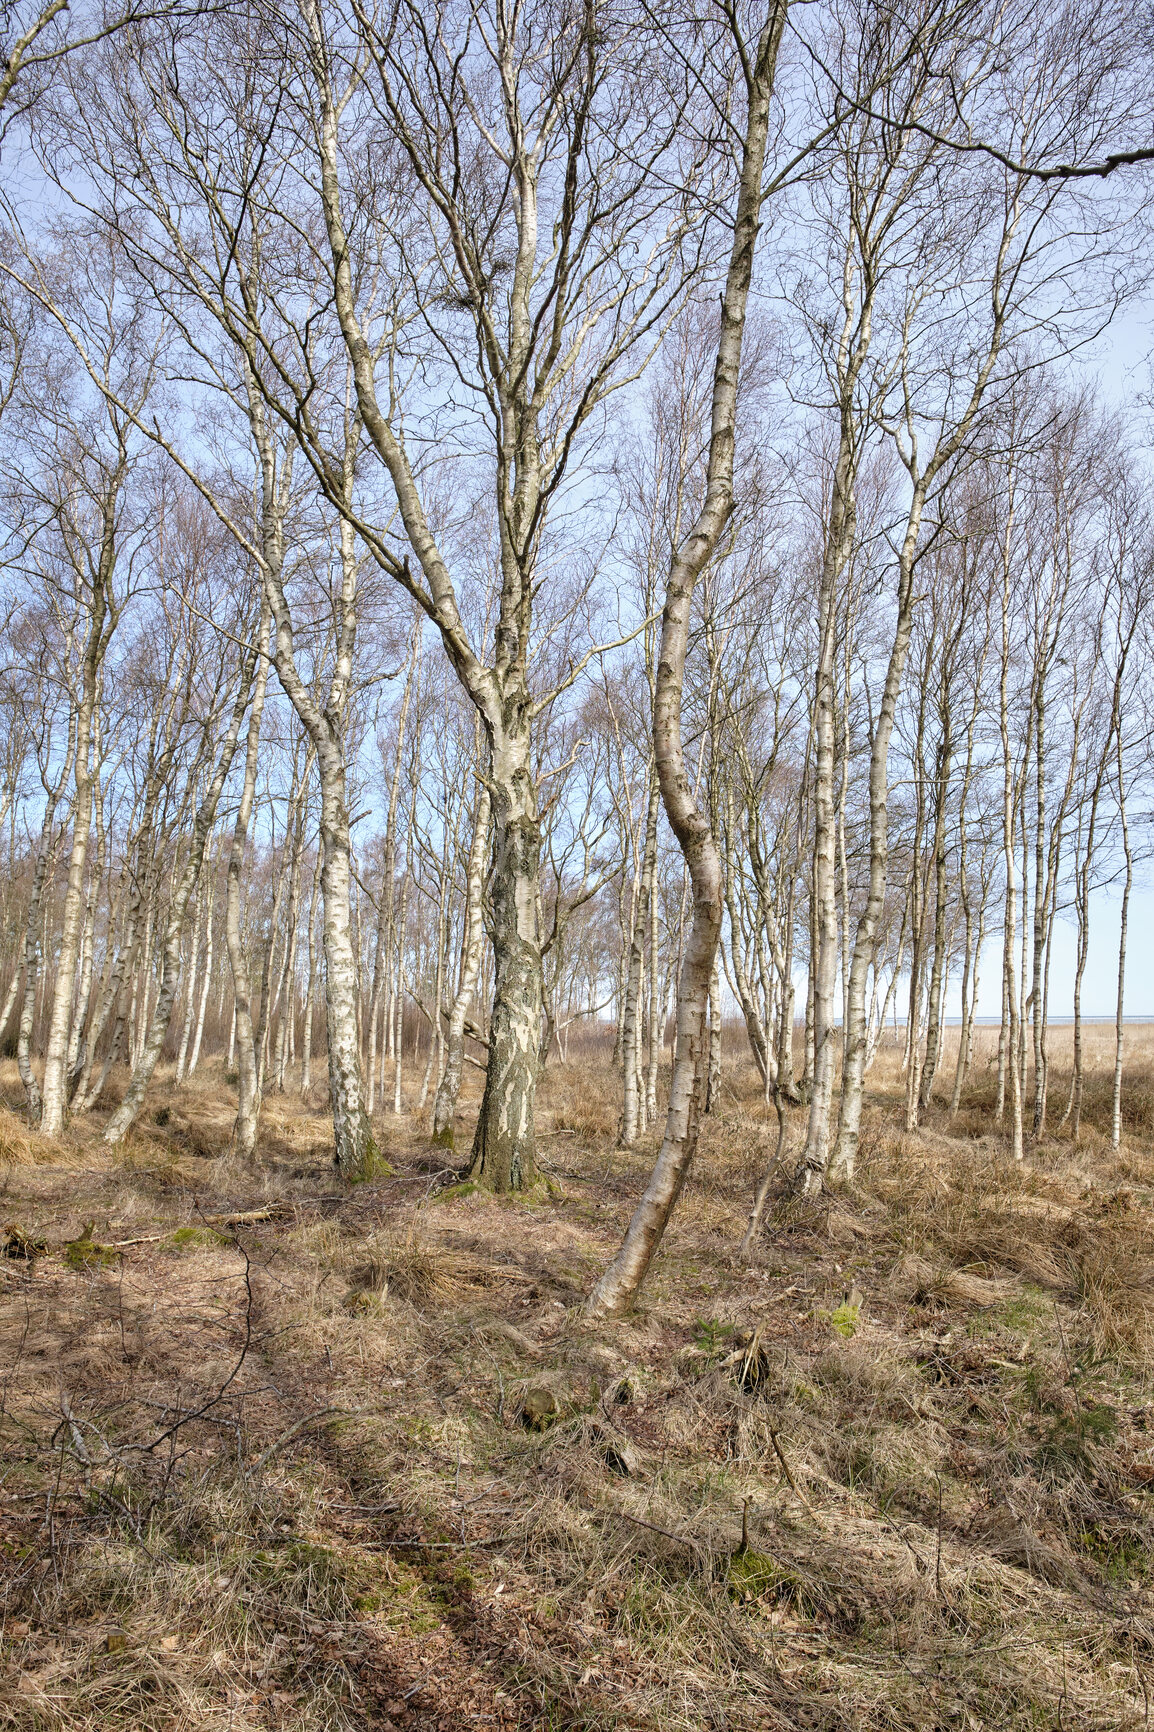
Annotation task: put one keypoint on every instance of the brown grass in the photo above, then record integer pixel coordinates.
(291, 1475)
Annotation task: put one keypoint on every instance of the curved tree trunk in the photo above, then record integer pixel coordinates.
(690, 822)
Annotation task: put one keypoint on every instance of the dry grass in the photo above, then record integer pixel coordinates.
(361, 1465)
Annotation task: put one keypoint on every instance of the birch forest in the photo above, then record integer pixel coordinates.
(577, 671)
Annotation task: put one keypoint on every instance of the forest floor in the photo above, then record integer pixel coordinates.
(279, 1453)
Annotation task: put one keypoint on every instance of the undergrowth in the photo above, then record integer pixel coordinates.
(355, 1461)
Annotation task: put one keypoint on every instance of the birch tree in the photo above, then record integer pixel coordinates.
(757, 63)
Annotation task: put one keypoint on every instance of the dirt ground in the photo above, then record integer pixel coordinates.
(279, 1453)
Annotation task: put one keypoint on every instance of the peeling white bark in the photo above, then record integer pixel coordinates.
(618, 1285)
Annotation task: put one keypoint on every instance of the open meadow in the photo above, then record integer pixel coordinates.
(284, 1452)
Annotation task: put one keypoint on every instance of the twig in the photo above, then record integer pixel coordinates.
(938, 1558)
(272, 1212)
(367, 1508)
(304, 1424)
(443, 1545)
(793, 1485)
(679, 1539)
(1142, 1682)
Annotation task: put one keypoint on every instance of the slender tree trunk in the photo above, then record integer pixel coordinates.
(32, 950)
(472, 939)
(10, 1000)
(194, 1059)
(865, 939)
(618, 1285)
(244, 1133)
(190, 994)
(400, 926)
(713, 1076)
(433, 1065)
(78, 1037)
(823, 899)
(355, 1150)
(938, 961)
(1077, 1079)
(1037, 1005)
(1009, 978)
(55, 1085)
(632, 1118)
(311, 987)
(1119, 1026)
(654, 1034)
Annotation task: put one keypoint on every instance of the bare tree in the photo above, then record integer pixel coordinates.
(617, 1286)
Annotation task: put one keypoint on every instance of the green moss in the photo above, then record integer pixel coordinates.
(844, 1320)
(187, 1237)
(1025, 1310)
(373, 1165)
(466, 1188)
(755, 1576)
(1069, 1443)
(83, 1253)
(1120, 1552)
(451, 1584)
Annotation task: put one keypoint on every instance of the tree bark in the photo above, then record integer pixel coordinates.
(32, 942)
(1127, 885)
(633, 1112)
(102, 622)
(244, 1133)
(689, 821)
(504, 1146)
(472, 938)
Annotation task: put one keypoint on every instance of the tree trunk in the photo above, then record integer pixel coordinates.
(504, 1147)
(618, 1285)
(633, 1113)
(713, 1075)
(938, 961)
(472, 937)
(55, 1085)
(1119, 1027)
(32, 953)
(194, 1058)
(190, 995)
(311, 987)
(823, 896)
(355, 1152)
(244, 1132)
(1009, 979)
(655, 1004)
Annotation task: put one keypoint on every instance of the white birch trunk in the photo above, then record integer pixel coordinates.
(449, 1089)
(618, 1285)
